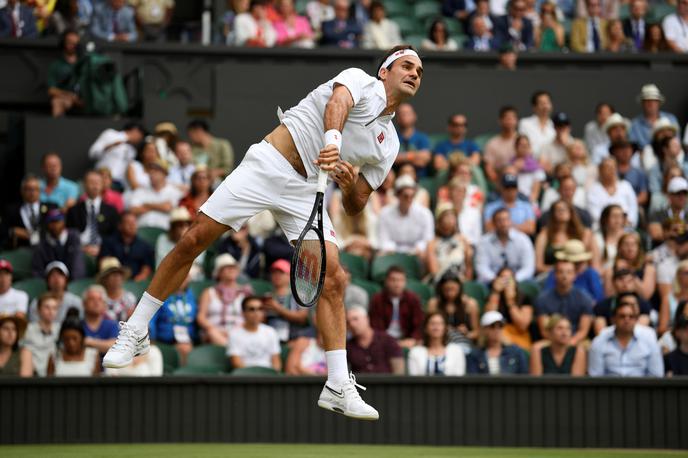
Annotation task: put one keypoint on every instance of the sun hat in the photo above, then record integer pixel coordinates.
(573, 251)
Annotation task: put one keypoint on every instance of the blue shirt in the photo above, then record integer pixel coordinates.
(108, 330)
(416, 142)
(512, 360)
(641, 357)
(134, 256)
(177, 310)
(517, 254)
(641, 130)
(572, 305)
(465, 147)
(521, 212)
(637, 178)
(588, 280)
(65, 190)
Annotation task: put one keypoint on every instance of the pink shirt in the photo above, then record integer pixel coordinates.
(285, 31)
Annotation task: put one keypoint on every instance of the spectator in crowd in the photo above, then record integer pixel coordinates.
(436, 355)
(612, 226)
(114, 20)
(461, 169)
(481, 39)
(306, 357)
(565, 299)
(198, 193)
(92, 217)
(181, 173)
(652, 154)
(55, 188)
(611, 190)
(319, 11)
(530, 174)
(506, 298)
(119, 302)
(100, 332)
(670, 154)
(570, 193)
(131, 250)
(422, 195)
(470, 219)
(234, 8)
(616, 128)
(587, 277)
(671, 299)
(405, 227)
(676, 362)
(493, 357)
(558, 356)
(520, 211)
(456, 9)
(12, 301)
(616, 40)
(254, 344)
(370, 350)
(343, 31)
(110, 196)
(449, 251)
(73, 357)
(624, 283)
(281, 310)
(677, 208)
(219, 307)
(380, 32)
(175, 322)
(244, 248)
(588, 31)
(514, 28)
(635, 25)
(17, 20)
(354, 295)
(397, 310)
(153, 17)
(508, 58)
(504, 247)
(41, 336)
(538, 127)
(115, 149)
(23, 223)
(655, 41)
(461, 310)
(69, 15)
(550, 35)
(631, 252)
(60, 76)
(555, 152)
(215, 153)
(438, 38)
(666, 256)
(650, 99)
(482, 10)
(674, 26)
(457, 128)
(153, 205)
(180, 221)
(414, 145)
(14, 360)
(291, 29)
(500, 149)
(165, 138)
(59, 244)
(626, 349)
(622, 151)
(138, 170)
(56, 277)
(581, 167)
(595, 132)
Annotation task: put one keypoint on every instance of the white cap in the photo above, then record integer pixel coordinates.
(404, 181)
(677, 184)
(224, 260)
(490, 318)
(59, 265)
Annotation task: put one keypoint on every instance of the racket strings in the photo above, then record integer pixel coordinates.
(308, 268)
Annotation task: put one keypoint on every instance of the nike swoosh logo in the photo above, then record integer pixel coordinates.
(339, 394)
(144, 339)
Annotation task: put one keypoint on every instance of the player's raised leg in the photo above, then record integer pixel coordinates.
(133, 335)
(340, 393)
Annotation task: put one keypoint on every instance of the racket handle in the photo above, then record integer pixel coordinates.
(322, 181)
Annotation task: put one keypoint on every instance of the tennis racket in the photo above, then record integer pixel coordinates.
(308, 263)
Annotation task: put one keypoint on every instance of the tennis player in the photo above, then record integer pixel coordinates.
(351, 115)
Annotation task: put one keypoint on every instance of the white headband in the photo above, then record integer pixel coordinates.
(397, 55)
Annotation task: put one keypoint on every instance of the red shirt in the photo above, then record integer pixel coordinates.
(376, 358)
(410, 314)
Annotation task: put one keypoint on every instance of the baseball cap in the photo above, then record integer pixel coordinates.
(677, 184)
(490, 318)
(54, 214)
(404, 181)
(282, 265)
(510, 180)
(561, 119)
(59, 265)
(6, 265)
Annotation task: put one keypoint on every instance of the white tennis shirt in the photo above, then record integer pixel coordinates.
(368, 139)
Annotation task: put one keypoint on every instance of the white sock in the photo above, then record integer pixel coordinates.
(144, 312)
(337, 369)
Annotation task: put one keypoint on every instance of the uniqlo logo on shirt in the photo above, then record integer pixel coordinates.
(381, 137)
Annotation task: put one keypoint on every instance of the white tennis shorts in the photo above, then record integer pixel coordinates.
(265, 180)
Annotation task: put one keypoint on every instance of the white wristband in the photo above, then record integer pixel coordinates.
(333, 137)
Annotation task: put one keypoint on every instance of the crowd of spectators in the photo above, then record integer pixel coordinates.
(583, 26)
(524, 251)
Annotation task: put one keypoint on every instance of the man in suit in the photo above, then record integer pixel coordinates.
(481, 40)
(514, 28)
(92, 217)
(114, 20)
(588, 33)
(634, 25)
(17, 21)
(22, 224)
(343, 31)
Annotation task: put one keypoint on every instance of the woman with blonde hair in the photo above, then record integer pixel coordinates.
(558, 356)
(449, 251)
(630, 250)
(677, 294)
(582, 168)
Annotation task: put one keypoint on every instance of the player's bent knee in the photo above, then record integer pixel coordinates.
(335, 279)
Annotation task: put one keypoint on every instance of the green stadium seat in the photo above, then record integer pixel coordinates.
(356, 265)
(91, 265)
(170, 357)
(424, 291)
(454, 27)
(482, 140)
(624, 11)
(79, 286)
(255, 370)
(530, 290)
(260, 287)
(437, 138)
(198, 286)
(209, 356)
(396, 8)
(300, 6)
(150, 234)
(34, 287)
(408, 25)
(21, 262)
(477, 291)
(370, 287)
(137, 288)
(190, 370)
(284, 354)
(658, 11)
(427, 9)
(415, 40)
(408, 262)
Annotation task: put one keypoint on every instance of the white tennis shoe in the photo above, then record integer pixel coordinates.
(129, 344)
(347, 401)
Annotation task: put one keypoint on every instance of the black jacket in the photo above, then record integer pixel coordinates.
(108, 218)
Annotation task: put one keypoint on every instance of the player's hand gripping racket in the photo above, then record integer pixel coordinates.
(308, 263)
